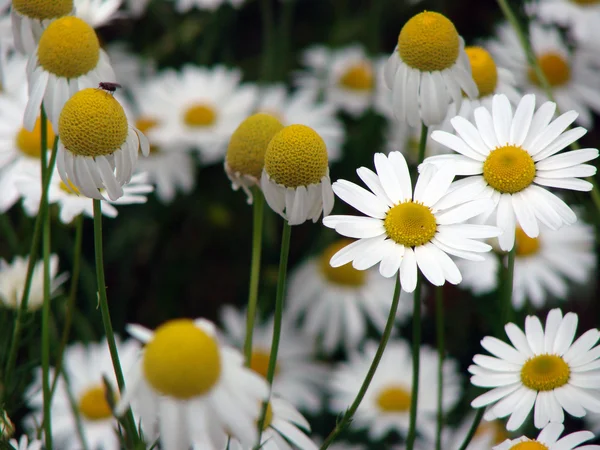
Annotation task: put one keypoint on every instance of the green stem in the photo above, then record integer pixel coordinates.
(422, 143)
(509, 270)
(416, 351)
(473, 429)
(74, 409)
(110, 336)
(257, 233)
(387, 331)
(285, 36)
(9, 234)
(439, 322)
(281, 280)
(374, 26)
(266, 10)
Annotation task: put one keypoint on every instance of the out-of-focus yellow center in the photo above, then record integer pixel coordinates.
(529, 445)
(268, 417)
(394, 399)
(30, 142)
(259, 362)
(145, 124)
(509, 169)
(358, 77)
(555, 67)
(586, 2)
(43, 9)
(410, 224)
(345, 275)
(69, 188)
(182, 361)
(525, 245)
(484, 70)
(200, 115)
(496, 428)
(545, 372)
(93, 404)
(429, 42)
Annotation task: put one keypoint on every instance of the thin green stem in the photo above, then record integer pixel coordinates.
(74, 410)
(257, 233)
(266, 10)
(285, 36)
(281, 280)
(129, 421)
(9, 234)
(387, 331)
(423, 143)
(416, 353)
(509, 270)
(439, 324)
(374, 27)
(473, 429)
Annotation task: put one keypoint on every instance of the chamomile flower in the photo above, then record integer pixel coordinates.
(14, 275)
(548, 439)
(25, 444)
(545, 371)
(71, 203)
(183, 6)
(67, 59)
(295, 178)
(13, 78)
(30, 18)
(297, 378)
(579, 16)
(202, 383)
(202, 109)
(486, 435)
(386, 405)
(406, 231)
(427, 70)
(86, 367)
(336, 304)
(97, 12)
(571, 74)
(302, 108)
(512, 158)
(98, 149)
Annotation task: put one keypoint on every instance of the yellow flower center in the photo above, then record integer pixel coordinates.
(358, 77)
(484, 70)
(69, 48)
(525, 245)
(545, 372)
(182, 361)
(586, 2)
(93, 123)
(145, 124)
(248, 144)
(496, 428)
(296, 156)
(509, 169)
(429, 42)
(43, 9)
(394, 399)
(30, 142)
(410, 224)
(529, 445)
(555, 68)
(69, 188)
(259, 362)
(93, 404)
(200, 115)
(345, 275)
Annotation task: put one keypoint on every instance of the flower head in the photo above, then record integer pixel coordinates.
(548, 439)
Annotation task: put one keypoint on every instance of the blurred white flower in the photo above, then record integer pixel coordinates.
(183, 6)
(97, 12)
(25, 444)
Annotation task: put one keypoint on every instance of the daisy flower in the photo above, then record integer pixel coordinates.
(30, 18)
(571, 74)
(25, 444)
(512, 158)
(202, 108)
(97, 12)
(295, 178)
(548, 439)
(98, 148)
(13, 77)
(580, 17)
(302, 108)
(71, 203)
(427, 70)
(14, 275)
(337, 304)
(200, 390)
(297, 378)
(348, 78)
(245, 157)
(406, 231)
(386, 405)
(487, 435)
(85, 366)
(67, 59)
(545, 371)
(183, 6)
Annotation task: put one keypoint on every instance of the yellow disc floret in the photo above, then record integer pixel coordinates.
(200, 115)
(93, 123)
(483, 67)
(43, 9)
(394, 399)
(529, 445)
(345, 275)
(30, 142)
(494, 428)
(182, 361)
(93, 404)
(545, 372)
(259, 362)
(509, 169)
(410, 224)
(429, 42)
(69, 48)
(358, 77)
(145, 124)
(555, 68)
(296, 156)
(248, 144)
(525, 245)
(268, 416)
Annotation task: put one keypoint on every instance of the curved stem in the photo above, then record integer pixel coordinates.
(439, 322)
(416, 353)
(473, 429)
(372, 369)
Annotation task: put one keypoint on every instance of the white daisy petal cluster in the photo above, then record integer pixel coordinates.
(97, 12)
(581, 18)
(511, 158)
(549, 439)
(403, 230)
(543, 370)
(25, 444)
